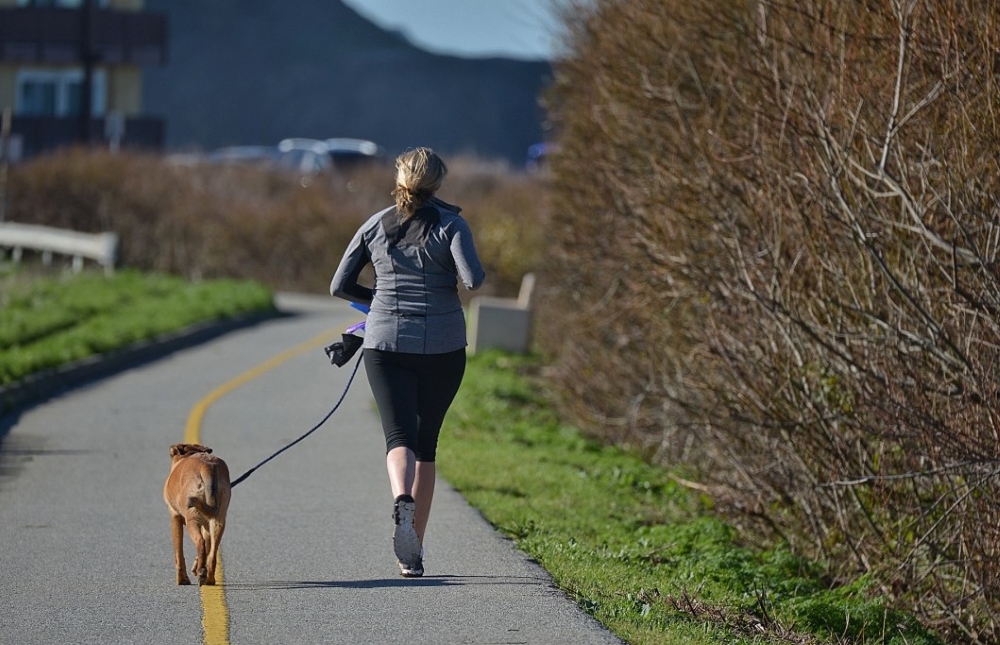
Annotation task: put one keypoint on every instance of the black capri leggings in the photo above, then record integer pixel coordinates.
(413, 393)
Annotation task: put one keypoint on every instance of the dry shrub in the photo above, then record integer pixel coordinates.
(776, 263)
(207, 220)
(508, 212)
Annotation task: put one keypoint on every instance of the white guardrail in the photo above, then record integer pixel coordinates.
(99, 247)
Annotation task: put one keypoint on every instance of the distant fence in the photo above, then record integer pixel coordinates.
(99, 247)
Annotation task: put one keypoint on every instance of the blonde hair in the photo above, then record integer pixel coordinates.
(419, 174)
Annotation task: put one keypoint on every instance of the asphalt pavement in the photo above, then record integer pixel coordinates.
(307, 554)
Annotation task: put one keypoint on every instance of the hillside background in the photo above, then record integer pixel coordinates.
(257, 71)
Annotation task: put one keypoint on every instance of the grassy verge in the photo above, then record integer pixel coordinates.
(50, 321)
(641, 554)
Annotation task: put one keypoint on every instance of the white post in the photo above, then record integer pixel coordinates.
(4, 160)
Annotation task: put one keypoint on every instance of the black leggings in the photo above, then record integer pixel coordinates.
(413, 393)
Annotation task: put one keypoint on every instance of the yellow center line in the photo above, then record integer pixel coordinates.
(215, 611)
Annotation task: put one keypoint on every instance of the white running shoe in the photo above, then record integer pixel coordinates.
(414, 570)
(405, 542)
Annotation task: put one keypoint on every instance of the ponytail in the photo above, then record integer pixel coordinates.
(419, 174)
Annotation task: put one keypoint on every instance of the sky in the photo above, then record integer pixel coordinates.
(522, 29)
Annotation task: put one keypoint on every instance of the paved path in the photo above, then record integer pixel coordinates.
(307, 555)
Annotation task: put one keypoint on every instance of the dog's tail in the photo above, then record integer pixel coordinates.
(209, 492)
(212, 490)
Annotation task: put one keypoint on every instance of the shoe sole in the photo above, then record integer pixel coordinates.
(405, 542)
(410, 571)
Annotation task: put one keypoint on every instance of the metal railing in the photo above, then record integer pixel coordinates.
(100, 247)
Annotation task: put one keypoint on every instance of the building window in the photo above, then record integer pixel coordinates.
(58, 93)
(73, 4)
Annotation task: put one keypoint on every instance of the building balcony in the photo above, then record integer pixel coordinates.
(41, 134)
(61, 36)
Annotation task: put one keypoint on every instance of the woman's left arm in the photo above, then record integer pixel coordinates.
(463, 250)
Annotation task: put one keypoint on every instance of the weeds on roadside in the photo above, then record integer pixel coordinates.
(639, 552)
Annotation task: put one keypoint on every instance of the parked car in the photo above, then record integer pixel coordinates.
(342, 152)
(345, 151)
(304, 156)
(538, 156)
(307, 161)
(302, 143)
(240, 154)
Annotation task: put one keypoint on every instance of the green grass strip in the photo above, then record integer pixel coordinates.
(45, 323)
(637, 551)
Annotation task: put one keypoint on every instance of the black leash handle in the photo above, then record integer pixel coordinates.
(316, 427)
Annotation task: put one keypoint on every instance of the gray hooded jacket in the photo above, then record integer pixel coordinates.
(414, 304)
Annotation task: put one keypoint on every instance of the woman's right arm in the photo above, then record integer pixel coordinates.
(345, 280)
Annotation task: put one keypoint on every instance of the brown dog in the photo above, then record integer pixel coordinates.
(197, 492)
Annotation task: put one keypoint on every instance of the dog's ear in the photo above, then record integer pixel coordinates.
(184, 449)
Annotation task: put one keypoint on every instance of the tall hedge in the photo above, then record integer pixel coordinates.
(775, 264)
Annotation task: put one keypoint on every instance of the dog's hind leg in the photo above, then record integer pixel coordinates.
(215, 529)
(195, 530)
(177, 530)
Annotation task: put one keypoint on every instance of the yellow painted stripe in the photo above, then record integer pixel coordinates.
(214, 610)
(192, 430)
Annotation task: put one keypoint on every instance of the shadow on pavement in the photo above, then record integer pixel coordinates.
(426, 581)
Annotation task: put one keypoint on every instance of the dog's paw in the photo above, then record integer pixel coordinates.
(184, 581)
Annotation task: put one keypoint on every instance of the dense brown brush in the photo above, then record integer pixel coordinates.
(775, 229)
(206, 220)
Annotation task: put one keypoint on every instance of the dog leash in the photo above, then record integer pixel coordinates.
(316, 427)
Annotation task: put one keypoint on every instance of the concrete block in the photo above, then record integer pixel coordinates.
(502, 323)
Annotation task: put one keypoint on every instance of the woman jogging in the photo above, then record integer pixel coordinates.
(415, 338)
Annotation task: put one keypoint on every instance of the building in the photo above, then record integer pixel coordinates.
(71, 72)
